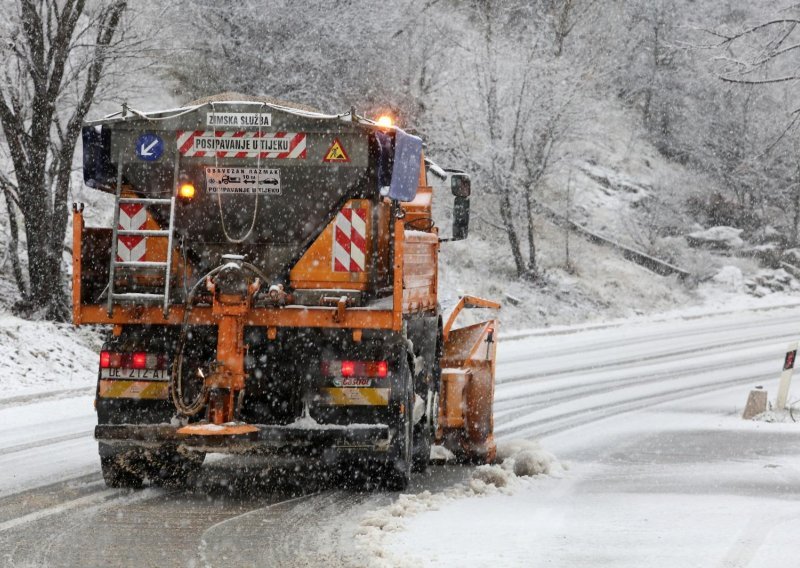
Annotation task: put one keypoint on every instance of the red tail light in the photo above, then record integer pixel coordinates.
(139, 360)
(348, 368)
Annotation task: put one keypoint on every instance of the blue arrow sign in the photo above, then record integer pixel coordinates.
(149, 147)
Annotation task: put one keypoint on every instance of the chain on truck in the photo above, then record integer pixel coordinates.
(270, 285)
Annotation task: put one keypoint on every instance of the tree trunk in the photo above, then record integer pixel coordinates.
(47, 298)
(13, 245)
(513, 240)
(532, 272)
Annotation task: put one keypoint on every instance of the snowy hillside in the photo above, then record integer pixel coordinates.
(614, 174)
(46, 357)
(611, 171)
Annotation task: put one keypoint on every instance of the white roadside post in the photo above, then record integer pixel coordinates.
(786, 376)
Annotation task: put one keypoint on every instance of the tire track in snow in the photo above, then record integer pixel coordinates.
(44, 442)
(573, 419)
(588, 328)
(752, 538)
(508, 407)
(309, 530)
(628, 361)
(21, 400)
(572, 396)
(545, 398)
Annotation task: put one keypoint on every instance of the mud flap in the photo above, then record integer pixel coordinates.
(466, 401)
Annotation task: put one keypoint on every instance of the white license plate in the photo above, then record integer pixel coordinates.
(135, 374)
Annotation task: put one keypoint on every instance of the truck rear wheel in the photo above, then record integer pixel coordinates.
(397, 475)
(169, 468)
(422, 446)
(120, 471)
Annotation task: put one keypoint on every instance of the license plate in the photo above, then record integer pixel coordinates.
(135, 374)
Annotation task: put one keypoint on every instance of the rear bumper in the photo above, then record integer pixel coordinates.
(269, 438)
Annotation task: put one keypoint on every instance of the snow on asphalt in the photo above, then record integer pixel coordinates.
(683, 484)
(679, 482)
(520, 460)
(46, 441)
(47, 375)
(645, 414)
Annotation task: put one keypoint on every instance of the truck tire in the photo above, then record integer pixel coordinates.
(168, 468)
(121, 472)
(397, 473)
(425, 431)
(422, 446)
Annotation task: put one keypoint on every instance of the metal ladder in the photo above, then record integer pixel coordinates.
(144, 266)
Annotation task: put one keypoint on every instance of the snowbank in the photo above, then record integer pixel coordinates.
(788, 416)
(520, 462)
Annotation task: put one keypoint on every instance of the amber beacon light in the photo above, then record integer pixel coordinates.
(385, 121)
(186, 190)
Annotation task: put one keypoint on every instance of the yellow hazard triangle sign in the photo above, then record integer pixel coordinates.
(336, 153)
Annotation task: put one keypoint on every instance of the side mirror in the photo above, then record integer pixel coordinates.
(461, 187)
(460, 218)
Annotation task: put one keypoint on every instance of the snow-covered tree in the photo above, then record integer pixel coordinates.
(375, 56)
(52, 55)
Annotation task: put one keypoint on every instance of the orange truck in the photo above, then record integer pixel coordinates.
(269, 285)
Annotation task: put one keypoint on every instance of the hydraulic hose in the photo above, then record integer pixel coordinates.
(176, 378)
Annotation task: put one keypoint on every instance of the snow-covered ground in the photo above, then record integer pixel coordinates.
(43, 357)
(644, 458)
(44, 441)
(661, 469)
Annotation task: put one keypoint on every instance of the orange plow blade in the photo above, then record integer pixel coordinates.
(466, 400)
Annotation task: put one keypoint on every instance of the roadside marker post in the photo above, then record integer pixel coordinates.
(786, 376)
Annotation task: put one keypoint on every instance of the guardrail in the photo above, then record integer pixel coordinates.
(645, 260)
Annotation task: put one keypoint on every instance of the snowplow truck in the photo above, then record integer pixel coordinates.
(269, 283)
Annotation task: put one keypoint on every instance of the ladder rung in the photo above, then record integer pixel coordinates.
(143, 232)
(139, 264)
(138, 296)
(146, 200)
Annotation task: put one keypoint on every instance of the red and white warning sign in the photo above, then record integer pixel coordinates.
(336, 153)
(241, 144)
(132, 248)
(350, 241)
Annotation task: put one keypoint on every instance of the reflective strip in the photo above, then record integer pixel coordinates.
(296, 147)
(350, 240)
(356, 397)
(133, 389)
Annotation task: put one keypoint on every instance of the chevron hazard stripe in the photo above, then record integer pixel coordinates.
(241, 144)
(132, 248)
(133, 389)
(356, 397)
(350, 241)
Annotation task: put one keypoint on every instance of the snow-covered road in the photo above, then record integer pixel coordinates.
(663, 472)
